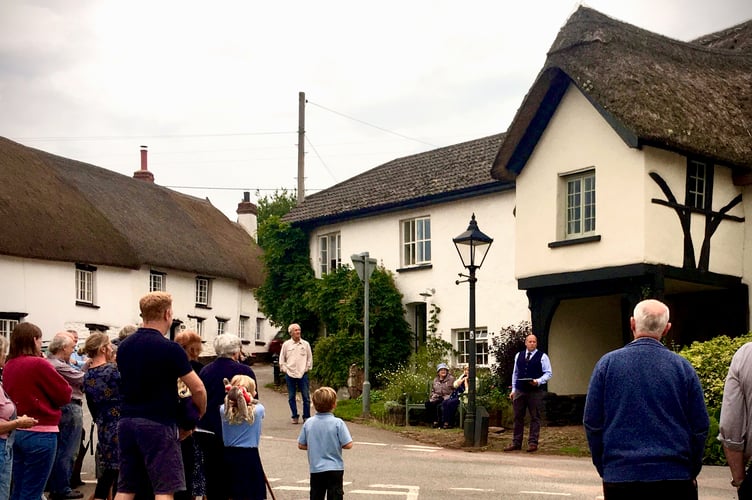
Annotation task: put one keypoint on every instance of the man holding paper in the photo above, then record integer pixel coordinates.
(532, 369)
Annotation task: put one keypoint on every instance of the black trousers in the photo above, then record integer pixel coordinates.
(327, 485)
(745, 490)
(653, 490)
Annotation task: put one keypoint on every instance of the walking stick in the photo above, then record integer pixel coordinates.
(266, 480)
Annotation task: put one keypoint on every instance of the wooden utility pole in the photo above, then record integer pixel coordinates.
(301, 146)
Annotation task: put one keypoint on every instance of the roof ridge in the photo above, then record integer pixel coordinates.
(586, 16)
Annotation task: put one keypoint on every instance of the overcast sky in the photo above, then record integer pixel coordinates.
(212, 87)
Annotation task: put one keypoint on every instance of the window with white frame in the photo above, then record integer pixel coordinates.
(85, 284)
(580, 204)
(259, 328)
(416, 241)
(329, 253)
(242, 326)
(157, 282)
(699, 184)
(221, 326)
(199, 324)
(7, 326)
(462, 338)
(203, 291)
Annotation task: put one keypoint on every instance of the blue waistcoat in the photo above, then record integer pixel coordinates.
(528, 369)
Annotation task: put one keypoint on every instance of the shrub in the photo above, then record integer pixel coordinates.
(337, 300)
(333, 356)
(711, 360)
(490, 392)
(411, 377)
(504, 346)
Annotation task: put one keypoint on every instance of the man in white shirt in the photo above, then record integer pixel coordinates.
(532, 370)
(295, 359)
(735, 430)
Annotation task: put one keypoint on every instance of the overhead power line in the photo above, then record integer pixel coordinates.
(373, 126)
(235, 188)
(326, 167)
(163, 136)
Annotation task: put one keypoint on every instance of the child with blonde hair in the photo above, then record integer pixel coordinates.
(241, 432)
(324, 437)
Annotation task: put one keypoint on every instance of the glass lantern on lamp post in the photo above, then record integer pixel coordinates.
(472, 246)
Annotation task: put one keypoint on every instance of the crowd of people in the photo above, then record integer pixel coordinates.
(167, 426)
(170, 427)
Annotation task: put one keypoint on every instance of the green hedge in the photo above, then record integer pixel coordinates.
(711, 360)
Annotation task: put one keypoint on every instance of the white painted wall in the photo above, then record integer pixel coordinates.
(577, 138)
(45, 290)
(577, 340)
(747, 242)
(631, 227)
(663, 233)
(498, 301)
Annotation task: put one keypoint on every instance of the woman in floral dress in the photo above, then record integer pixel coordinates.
(102, 389)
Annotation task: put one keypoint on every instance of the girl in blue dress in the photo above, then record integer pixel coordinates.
(241, 432)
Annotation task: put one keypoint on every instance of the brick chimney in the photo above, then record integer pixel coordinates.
(248, 215)
(144, 173)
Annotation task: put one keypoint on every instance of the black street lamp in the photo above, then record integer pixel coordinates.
(472, 246)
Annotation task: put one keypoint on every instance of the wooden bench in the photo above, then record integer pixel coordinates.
(419, 405)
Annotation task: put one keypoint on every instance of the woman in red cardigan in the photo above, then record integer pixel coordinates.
(37, 391)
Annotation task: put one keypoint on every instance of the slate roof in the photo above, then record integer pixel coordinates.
(691, 97)
(417, 180)
(58, 209)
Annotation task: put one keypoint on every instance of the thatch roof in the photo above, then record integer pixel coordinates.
(55, 208)
(435, 176)
(693, 98)
(737, 37)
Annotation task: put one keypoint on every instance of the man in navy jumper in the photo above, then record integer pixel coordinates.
(645, 416)
(532, 369)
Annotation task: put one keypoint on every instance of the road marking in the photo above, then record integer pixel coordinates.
(415, 447)
(410, 494)
(377, 492)
(291, 488)
(473, 489)
(546, 493)
(369, 444)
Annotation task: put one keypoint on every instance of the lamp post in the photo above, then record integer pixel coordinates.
(472, 246)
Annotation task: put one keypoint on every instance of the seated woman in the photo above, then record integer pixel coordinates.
(442, 387)
(449, 405)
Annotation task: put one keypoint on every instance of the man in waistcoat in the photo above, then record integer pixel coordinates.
(532, 369)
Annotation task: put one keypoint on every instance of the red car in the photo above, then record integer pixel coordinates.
(275, 345)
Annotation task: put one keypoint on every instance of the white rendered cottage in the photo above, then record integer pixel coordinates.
(81, 244)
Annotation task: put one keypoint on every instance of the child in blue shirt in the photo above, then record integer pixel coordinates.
(241, 432)
(324, 437)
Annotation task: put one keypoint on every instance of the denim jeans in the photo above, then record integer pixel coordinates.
(33, 455)
(301, 384)
(69, 439)
(6, 465)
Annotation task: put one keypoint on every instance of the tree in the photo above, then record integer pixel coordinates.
(291, 293)
(289, 276)
(276, 205)
(338, 301)
(505, 346)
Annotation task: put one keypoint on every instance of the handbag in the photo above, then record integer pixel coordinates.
(187, 411)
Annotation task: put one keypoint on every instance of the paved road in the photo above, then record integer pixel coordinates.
(383, 463)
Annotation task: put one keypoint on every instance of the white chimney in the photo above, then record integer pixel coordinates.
(248, 215)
